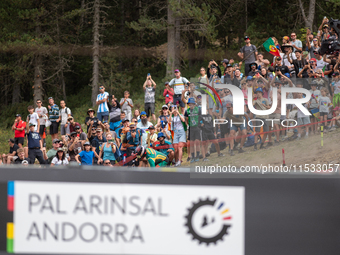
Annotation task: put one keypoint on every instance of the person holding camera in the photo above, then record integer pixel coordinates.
(149, 100)
(179, 128)
(108, 150)
(75, 146)
(179, 84)
(168, 93)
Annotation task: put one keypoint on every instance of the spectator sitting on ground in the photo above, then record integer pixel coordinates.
(59, 159)
(166, 146)
(21, 157)
(12, 155)
(108, 150)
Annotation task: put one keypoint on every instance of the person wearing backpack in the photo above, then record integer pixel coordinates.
(64, 113)
(248, 54)
(179, 84)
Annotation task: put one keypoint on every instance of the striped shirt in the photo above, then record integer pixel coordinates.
(179, 84)
(54, 112)
(103, 106)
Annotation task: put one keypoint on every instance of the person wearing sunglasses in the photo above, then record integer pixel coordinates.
(54, 117)
(312, 48)
(103, 109)
(42, 113)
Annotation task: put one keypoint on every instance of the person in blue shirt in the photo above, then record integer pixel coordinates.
(34, 145)
(87, 156)
(166, 146)
(133, 137)
(103, 109)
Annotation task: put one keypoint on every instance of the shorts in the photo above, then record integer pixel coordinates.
(42, 129)
(235, 127)
(276, 117)
(54, 127)
(194, 134)
(225, 129)
(178, 99)
(207, 135)
(18, 140)
(259, 123)
(149, 107)
(323, 114)
(303, 121)
(64, 130)
(179, 136)
(103, 115)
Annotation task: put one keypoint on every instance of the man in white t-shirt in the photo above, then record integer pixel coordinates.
(179, 84)
(43, 114)
(64, 113)
(33, 118)
(320, 64)
(103, 109)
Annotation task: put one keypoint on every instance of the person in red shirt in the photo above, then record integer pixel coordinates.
(73, 124)
(19, 127)
(168, 93)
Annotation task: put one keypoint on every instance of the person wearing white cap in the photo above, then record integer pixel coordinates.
(179, 85)
(163, 118)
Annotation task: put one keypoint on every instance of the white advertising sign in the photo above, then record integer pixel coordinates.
(97, 218)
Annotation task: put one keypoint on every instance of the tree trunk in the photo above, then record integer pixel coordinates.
(37, 92)
(171, 54)
(16, 93)
(95, 72)
(309, 20)
(177, 43)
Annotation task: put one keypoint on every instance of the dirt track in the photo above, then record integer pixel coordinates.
(303, 151)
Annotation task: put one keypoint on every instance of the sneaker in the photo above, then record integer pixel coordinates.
(220, 155)
(232, 153)
(192, 161)
(269, 144)
(262, 146)
(188, 159)
(178, 164)
(298, 138)
(207, 155)
(276, 143)
(235, 144)
(201, 156)
(255, 147)
(241, 150)
(197, 159)
(205, 159)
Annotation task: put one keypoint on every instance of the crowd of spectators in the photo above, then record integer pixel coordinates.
(118, 133)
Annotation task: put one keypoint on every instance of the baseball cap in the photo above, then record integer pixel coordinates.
(191, 100)
(56, 140)
(229, 105)
(31, 124)
(151, 127)
(249, 78)
(87, 143)
(259, 90)
(336, 108)
(166, 83)
(125, 119)
(312, 59)
(286, 38)
(132, 124)
(77, 127)
(176, 71)
(99, 130)
(246, 37)
(229, 65)
(11, 140)
(73, 133)
(143, 113)
(18, 115)
(60, 149)
(226, 61)
(160, 134)
(335, 74)
(325, 26)
(165, 106)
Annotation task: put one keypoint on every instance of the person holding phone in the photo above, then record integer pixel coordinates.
(168, 93)
(179, 127)
(80, 134)
(149, 100)
(108, 150)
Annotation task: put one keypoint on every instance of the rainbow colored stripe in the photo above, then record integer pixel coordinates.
(10, 225)
(224, 211)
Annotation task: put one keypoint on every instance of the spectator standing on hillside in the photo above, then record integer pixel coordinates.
(91, 119)
(19, 127)
(33, 118)
(103, 109)
(64, 113)
(115, 114)
(97, 144)
(179, 84)
(126, 105)
(248, 54)
(149, 100)
(192, 115)
(34, 144)
(54, 116)
(72, 124)
(42, 113)
(296, 43)
(262, 62)
(168, 93)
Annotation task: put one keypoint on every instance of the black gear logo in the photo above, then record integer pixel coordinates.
(206, 223)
